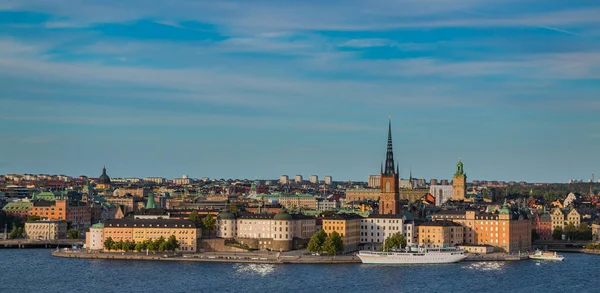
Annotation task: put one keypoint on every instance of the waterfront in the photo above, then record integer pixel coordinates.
(28, 270)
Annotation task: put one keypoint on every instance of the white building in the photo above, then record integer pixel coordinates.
(46, 230)
(298, 178)
(328, 180)
(94, 239)
(374, 181)
(184, 180)
(326, 205)
(376, 228)
(283, 179)
(157, 180)
(569, 200)
(442, 193)
(314, 179)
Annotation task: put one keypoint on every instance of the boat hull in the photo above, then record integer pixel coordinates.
(411, 258)
(560, 258)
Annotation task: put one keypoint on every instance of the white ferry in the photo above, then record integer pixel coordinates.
(540, 255)
(413, 256)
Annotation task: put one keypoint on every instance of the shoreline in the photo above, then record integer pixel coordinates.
(257, 258)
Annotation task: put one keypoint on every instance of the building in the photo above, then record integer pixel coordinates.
(327, 205)
(186, 232)
(433, 182)
(46, 230)
(78, 213)
(277, 232)
(558, 219)
(283, 179)
(298, 179)
(19, 209)
(184, 180)
(374, 181)
(300, 201)
(328, 180)
(439, 234)
(389, 198)
(103, 181)
(314, 179)
(477, 249)
(133, 191)
(362, 194)
(157, 180)
(543, 225)
(508, 231)
(459, 182)
(442, 193)
(376, 228)
(347, 226)
(569, 200)
(94, 239)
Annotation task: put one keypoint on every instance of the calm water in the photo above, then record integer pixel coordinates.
(34, 270)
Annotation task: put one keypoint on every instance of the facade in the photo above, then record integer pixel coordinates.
(376, 228)
(439, 234)
(314, 179)
(94, 239)
(19, 209)
(362, 194)
(477, 249)
(328, 180)
(298, 179)
(442, 193)
(459, 182)
(347, 226)
(543, 225)
(558, 219)
(157, 180)
(46, 230)
(569, 200)
(508, 230)
(573, 217)
(389, 198)
(374, 181)
(133, 191)
(283, 179)
(327, 205)
(78, 213)
(186, 232)
(301, 201)
(277, 232)
(103, 180)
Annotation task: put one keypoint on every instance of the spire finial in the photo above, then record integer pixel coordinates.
(389, 157)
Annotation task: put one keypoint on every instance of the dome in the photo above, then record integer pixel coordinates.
(104, 179)
(225, 215)
(283, 216)
(504, 210)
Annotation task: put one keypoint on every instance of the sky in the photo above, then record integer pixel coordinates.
(257, 89)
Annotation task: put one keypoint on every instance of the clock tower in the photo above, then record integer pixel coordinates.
(389, 198)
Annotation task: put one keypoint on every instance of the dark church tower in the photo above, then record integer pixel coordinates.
(389, 199)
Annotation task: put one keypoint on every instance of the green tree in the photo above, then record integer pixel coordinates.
(116, 245)
(125, 245)
(395, 241)
(158, 242)
(73, 234)
(139, 247)
(163, 247)
(194, 217)
(209, 223)
(570, 230)
(108, 243)
(557, 233)
(172, 243)
(333, 243)
(32, 218)
(534, 235)
(584, 232)
(152, 246)
(14, 233)
(316, 241)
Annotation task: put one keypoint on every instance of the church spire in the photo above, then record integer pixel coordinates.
(389, 156)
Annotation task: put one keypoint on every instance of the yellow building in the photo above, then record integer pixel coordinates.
(46, 230)
(348, 226)
(186, 232)
(459, 182)
(103, 181)
(508, 230)
(573, 217)
(439, 234)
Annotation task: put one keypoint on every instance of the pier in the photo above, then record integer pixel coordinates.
(25, 243)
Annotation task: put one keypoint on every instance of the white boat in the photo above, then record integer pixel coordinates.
(413, 256)
(541, 255)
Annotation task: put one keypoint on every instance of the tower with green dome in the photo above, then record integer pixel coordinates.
(459, 182)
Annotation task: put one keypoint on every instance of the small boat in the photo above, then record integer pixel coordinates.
(413, 256)
(541, 255)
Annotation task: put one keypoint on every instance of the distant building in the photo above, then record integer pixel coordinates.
(157, 180)
(283, 179)
(314, 179)
(376, 228)
(439, 234)
(362, 194)
(442, 193)
(184, 180)
(328, 180)
(298, 179)
(374, 181)
(433, 182)
(347, 226)
(134, 191)
(94, 239)
(542, 222)
(459, 182)
(103, 180)
(46, 230)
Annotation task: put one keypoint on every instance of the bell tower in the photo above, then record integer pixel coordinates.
(389, 198)
(459, 182)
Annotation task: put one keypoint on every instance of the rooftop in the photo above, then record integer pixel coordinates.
(162, 223)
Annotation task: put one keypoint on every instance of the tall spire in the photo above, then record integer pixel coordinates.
(389, 156)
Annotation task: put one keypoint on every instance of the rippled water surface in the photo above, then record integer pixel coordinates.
(34, 270)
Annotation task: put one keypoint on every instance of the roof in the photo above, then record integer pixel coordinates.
(283, 216)
(439, 224)
(344, 217)
(162, 223)
(17, 205)
(98, 225)
(225, 215)
(151, 212)
(402, 214)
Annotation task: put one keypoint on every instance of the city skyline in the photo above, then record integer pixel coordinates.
(259, 89)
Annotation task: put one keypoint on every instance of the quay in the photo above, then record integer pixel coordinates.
(24, 243)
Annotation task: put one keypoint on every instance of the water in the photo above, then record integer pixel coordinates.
(35, 270)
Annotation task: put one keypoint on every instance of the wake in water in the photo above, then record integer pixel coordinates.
(257, 269)
(486, 266)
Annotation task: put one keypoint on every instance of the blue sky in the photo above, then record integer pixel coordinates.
(256, 89)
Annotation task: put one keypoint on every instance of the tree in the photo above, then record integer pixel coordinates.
(194, 217)
(158, 242)
(172, 243)
(209, 223)
(73, 234)
(32, 218)
(557, 233)
(534, 235)
(584, 232)
(151, 245)
(108, 243)
(116, 245)
(395, 241)
(316, 241)
(570, 230)
(162, 247)
(139, 247)
(333, 243)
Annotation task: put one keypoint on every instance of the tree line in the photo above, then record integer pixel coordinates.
(160, 244)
